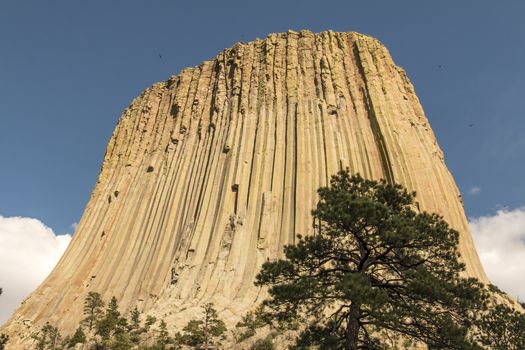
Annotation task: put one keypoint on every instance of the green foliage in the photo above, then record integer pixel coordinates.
(194, 334)
(163, 340)
(245, 334)
(134, 327)
(263, 344)
(501, 328)
(111, 322)
(120, 341)
(78, 337)
(150, 321)
(112, 331)
(494, 289)
(93, 309)
(203, 333)
(112, 309)
(250, 322)
(134, 319)
(104, 327)
(3, 341)
(374, 264)
(47, 338)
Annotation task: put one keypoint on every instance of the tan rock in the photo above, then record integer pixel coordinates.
(208, 175)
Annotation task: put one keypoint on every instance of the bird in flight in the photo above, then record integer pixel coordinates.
(160, 56)
(471, 125)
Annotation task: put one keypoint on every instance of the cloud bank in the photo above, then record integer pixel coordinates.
(500, 241)
(29, 250)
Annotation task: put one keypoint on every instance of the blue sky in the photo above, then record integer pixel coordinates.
(68, 69)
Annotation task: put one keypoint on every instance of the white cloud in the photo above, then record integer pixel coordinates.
(28, 252)
(500, 241)
(474, 190)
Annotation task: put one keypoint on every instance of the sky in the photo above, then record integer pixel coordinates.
(69, 68)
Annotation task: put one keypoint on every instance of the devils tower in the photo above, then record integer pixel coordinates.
(210, 173)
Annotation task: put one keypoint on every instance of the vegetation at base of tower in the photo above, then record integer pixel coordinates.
(503, 328)
(3, 341)
(93, 309)
(377, 274)
(248, 327)
(48, 338)
(249, 324)
(204, 333)
(79, 337)
(263, 344)
(107, 329)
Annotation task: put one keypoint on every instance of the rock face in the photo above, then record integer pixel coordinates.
(210, 173)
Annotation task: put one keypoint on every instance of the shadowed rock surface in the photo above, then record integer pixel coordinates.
(208, 175)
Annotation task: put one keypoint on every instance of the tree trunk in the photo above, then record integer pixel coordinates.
(352, 327)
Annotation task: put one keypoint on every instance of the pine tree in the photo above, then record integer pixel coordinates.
(110, 321)
(48, 338)
(250, 322)
(373, 266)
(163, 339)
(93, 307)
(150, 321)
(135, 319)
(134, 325)
(501, 328)
(203, 333)
(213, 326)
(78, 337)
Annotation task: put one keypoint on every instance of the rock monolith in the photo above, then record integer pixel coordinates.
(210, 173)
